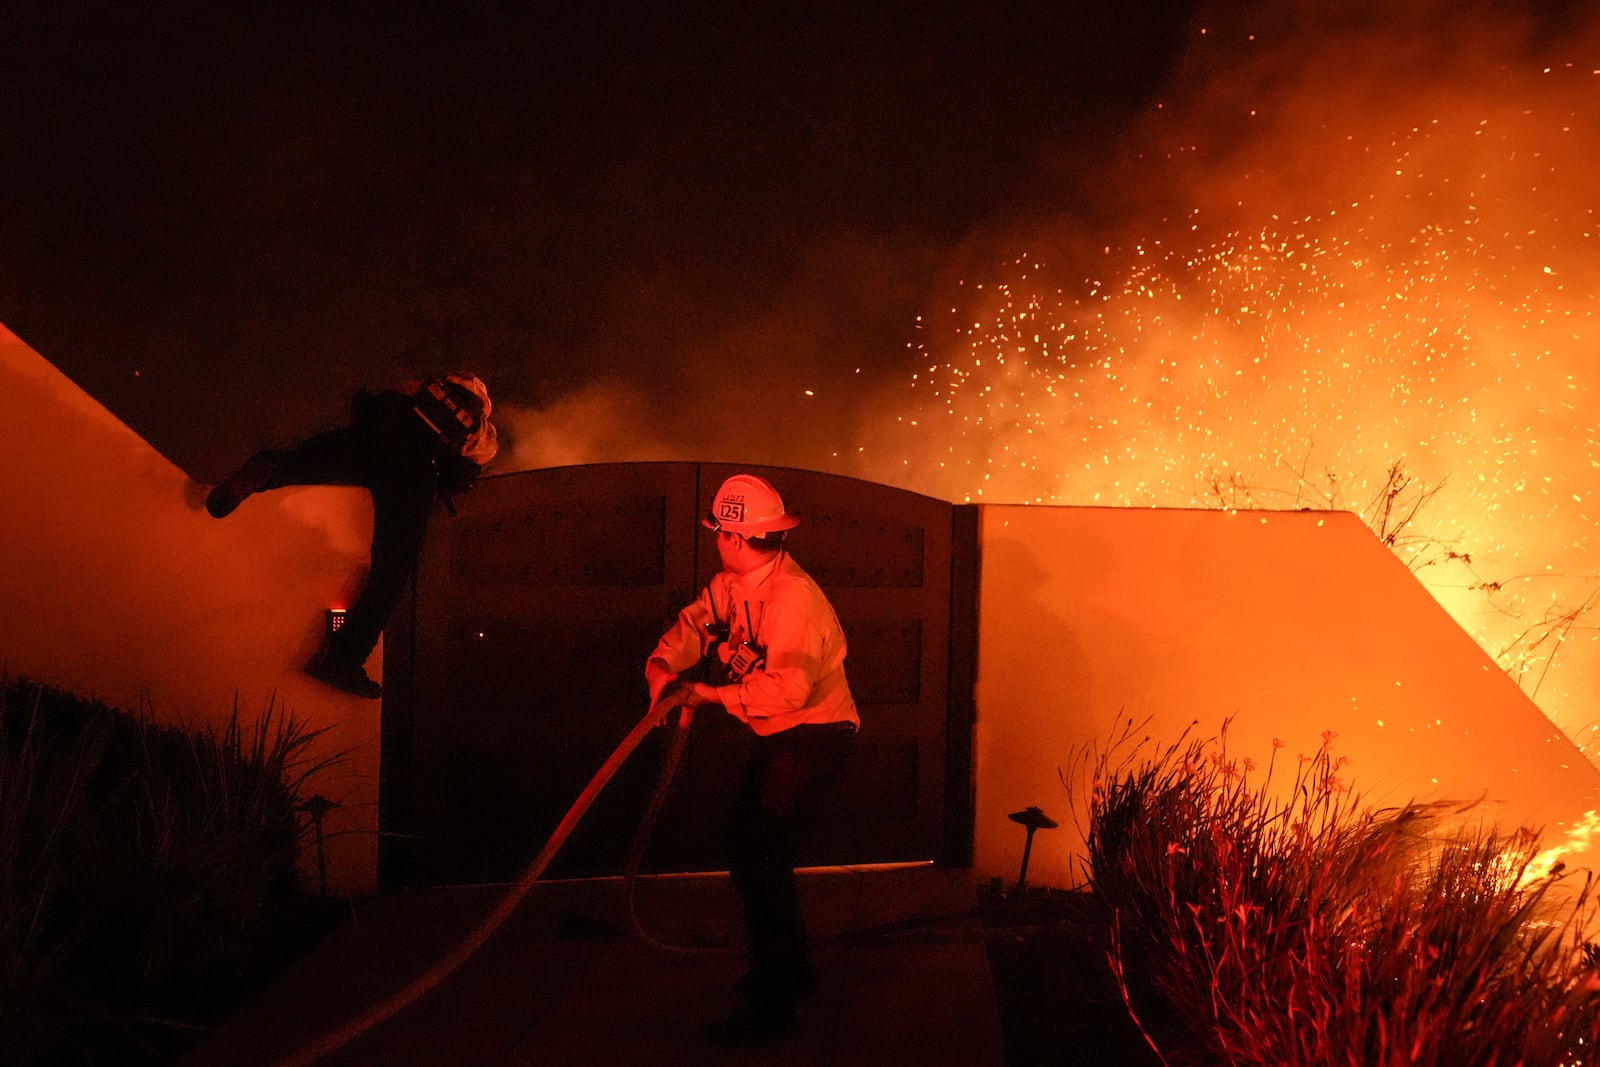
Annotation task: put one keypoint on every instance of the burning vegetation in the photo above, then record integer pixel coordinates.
(1340, 273)
(1256, 921)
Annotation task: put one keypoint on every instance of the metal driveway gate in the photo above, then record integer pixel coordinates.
(516, 667)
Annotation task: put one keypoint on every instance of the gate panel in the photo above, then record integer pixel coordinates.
(517, 667)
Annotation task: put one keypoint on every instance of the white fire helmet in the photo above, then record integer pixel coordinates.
(746, 504)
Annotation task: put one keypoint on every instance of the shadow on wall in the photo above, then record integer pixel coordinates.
(1035, 694)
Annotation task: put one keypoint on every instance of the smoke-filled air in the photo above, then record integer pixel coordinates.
(1344, 261)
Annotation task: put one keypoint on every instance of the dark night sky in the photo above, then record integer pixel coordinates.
(221, 221)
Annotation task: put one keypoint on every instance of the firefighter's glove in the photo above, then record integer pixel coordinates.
(677, 694)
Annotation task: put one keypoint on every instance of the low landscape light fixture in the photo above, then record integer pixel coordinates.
(1034, 819)
(335, 620)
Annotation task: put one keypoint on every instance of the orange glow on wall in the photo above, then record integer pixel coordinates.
(119, 586)
(1286, 625)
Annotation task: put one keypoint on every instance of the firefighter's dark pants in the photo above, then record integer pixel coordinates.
(786, 778)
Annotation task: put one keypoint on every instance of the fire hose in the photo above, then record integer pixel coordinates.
(448, 964)
(673, 700)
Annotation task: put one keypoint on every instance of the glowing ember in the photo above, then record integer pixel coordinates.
(1386, 304)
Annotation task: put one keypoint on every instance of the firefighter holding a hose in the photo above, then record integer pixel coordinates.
(777, 656)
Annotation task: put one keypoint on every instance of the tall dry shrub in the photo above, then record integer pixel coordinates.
(1287, 923)
(146, 871)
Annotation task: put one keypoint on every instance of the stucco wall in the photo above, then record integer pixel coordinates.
(118, 585)
(1287, 623)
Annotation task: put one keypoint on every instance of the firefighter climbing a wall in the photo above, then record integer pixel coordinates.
(409, 447)
(776, 653)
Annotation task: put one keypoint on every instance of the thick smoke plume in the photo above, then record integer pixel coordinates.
(1340, 247)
